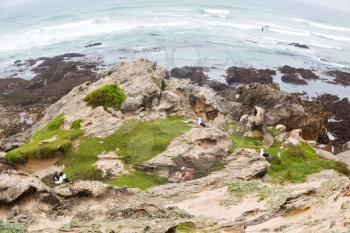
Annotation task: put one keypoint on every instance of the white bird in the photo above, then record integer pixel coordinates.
(264, 154)
(201, 122)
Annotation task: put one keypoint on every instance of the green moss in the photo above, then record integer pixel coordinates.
(76, 124)
(295, 163)
(108, 96)
(185, 227)
(6, 227)
(290, 163)
(134, 142)
(137, 179)
(275, 132)
(246, 142)
(46, 143)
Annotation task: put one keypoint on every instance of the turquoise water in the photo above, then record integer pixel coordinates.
(177, 33)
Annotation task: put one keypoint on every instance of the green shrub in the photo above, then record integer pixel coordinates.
(6, 227)
(108, 96)
(45, 143)
(185, 227)
(137, 179)
(76, 124)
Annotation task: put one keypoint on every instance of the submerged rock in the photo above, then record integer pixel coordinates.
(293, 78)
(341, 77)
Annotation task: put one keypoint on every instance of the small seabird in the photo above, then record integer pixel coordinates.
(263, 28)
(201, 122)
(59, 178)
(264, 154)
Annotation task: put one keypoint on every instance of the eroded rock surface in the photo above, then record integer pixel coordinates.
(194, 154)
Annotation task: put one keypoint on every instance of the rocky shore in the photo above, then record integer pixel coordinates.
(141, 163)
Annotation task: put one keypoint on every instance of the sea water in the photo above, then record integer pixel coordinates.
(177, 33)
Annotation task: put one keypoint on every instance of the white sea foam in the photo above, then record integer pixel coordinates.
(323, 26)
(70, 31)
(217, 11)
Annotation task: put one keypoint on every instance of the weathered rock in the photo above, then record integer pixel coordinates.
(281, 128)
(347, 145)
(249, 75)
(14, 185)
(293, 78)
(268, 139)
(132, 104)
(183, 98)
(194, 154)
(284, 108)
(293, 137)
(253, 125)
(109, 165)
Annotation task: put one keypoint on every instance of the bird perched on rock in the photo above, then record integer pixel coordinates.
(264, 155)
(201, 122)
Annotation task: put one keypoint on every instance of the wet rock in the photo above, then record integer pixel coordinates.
(341, 77)
(92, 45)
(194, 73)
(305, 73)
(293, 78)
(249, 75)
(192, 155)
(303, 46)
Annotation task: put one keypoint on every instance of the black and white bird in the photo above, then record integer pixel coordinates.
(201, 122)
(264, 155)
(265, 27)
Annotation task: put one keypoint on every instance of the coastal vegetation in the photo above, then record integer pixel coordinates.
(47, 142)
(108, 96)
(7, 227)
(290, 163)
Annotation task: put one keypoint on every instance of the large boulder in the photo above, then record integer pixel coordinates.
(182, 97)
(192, 155)
(284, 108)
(14, 185)
(253, 124)
(109, 165)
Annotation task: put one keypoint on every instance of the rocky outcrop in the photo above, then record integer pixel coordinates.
(249, 75)
(294, 79)
(14, 185)
(182, 97)
(194, 73)
(293, 137)
(305, 73)
(253, 125)
(339, 124)
(194, 154)
(283, 108)
(341, 77)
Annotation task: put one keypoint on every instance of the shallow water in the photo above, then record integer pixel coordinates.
(178, 33)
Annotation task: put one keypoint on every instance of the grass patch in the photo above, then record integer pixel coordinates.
(6, 227)
(295, 163)
(290, 163)
(185, 227)
(137, 179)
(76, 124)
(134, 142)
(275, 132)
(108, 96)
(45, 143)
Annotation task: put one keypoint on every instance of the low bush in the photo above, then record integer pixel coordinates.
(108, 96)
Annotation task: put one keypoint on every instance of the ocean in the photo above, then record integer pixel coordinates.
(216, 34)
